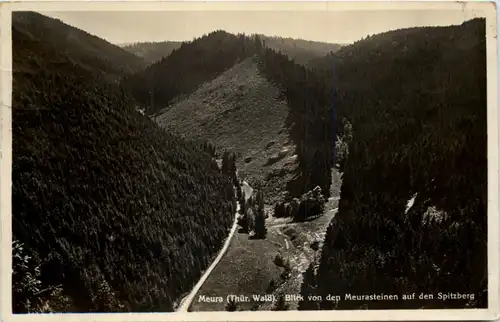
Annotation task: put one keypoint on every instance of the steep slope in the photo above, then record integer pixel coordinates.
(122, 215)
(414, 187)
(152, 51)
(302, 51)
(187, 68)
(88, 51)
(240, 111)
(311, 119)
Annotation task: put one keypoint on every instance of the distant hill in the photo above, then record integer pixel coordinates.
(152, 51)
(414, 191)
(89, 52)
(185, 69)
(184, 82)
(301, 51)
(242, 112)
(114, 213)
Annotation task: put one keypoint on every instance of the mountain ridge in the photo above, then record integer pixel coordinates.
(301, 50)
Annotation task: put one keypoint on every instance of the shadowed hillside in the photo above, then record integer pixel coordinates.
(412, 214)
(152, 51)
(109, 213)
(241, 112)
(311, 119)
(88, 51)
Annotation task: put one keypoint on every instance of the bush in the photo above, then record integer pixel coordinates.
(312, 204)
(278, 260)
(280, 210)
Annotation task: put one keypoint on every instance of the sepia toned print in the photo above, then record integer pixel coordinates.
(222, 161)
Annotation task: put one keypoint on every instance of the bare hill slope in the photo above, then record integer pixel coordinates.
(242, 112)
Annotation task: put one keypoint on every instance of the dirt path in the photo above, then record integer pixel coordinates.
(186, 301)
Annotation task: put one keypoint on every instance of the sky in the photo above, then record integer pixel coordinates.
(344, 27)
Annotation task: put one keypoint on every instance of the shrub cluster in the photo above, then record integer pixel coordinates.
(310, 205)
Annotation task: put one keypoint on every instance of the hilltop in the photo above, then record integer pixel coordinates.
(89, 52)
(185, 69)
(100, 218)
(152, 51)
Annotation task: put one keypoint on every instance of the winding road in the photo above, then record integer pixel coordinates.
(186, 301)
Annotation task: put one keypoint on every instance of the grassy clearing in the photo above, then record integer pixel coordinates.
(248, 267)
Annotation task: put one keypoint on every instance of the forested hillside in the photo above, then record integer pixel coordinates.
(89, 52)
(152, 51)
(116, 214)
(412, 214)
(187, 68)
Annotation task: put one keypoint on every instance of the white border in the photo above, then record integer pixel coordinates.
(488, 10)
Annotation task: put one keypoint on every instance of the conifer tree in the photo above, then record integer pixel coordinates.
(225, 162)
(260, 217)
(308, 288)
(243, 220)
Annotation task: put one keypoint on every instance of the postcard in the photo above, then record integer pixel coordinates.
(249, 161)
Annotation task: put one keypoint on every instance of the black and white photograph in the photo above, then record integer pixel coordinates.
(228, 161)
